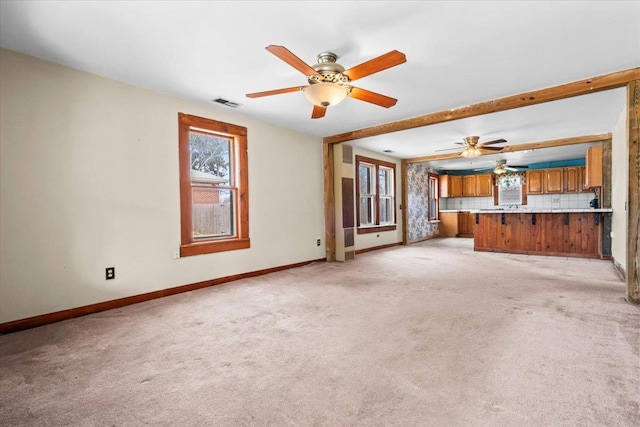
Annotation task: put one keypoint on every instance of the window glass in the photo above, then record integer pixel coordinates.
(211, 186)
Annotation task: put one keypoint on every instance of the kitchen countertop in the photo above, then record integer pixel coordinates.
(587, 210)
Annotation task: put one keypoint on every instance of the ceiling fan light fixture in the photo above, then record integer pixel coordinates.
(499, 170)
(325, 94)
(470, 152)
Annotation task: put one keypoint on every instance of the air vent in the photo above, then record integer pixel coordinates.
(226, 102)
(347, 154)
(348, 237)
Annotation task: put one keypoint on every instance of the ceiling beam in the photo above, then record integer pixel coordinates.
(521, 147)
(582, 87)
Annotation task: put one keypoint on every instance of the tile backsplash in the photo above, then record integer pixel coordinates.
(535, 201)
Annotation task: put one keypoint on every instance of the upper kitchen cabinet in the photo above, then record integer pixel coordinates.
(553, 180)
(469, 185)
(593, 168)
(534, 181)
(484, 184)
(573, 179)
(466, 186)
(450, 186)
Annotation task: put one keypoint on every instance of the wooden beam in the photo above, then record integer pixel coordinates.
(582, 87)
(585, 139)
(329, 203)
(633, 204)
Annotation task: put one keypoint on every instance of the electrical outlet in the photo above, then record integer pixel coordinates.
(110, 273)
(176, 253)
(318, 241)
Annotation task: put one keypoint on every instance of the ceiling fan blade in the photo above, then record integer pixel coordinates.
(318, 112)
(275, 92)
(382, 62)
(482, 147)
(447, 149)
(516, 166)
(497, 141)
(288, 57)
(372, 97)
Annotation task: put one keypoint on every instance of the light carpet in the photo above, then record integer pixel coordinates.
(430, 334)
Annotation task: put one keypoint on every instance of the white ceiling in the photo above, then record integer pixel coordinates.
(458, 53)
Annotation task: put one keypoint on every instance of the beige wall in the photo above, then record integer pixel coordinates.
(620, 191)
(89, 179)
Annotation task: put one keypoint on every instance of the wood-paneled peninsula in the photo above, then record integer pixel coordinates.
(555, 232)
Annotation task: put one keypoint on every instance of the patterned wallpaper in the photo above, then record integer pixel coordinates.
(418, 225)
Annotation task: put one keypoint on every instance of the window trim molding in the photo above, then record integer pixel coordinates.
(238, 134)
(376, 228)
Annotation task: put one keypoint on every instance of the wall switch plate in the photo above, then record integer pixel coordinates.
(176, 253)
(110, 273)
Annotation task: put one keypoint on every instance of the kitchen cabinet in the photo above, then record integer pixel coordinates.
(570, 179)
(553, 180)
(466, 186)
(448, 224)
(593, 167)
(469, 185)
(466, 222)
(450, 185)
(457, 224)
(484, 184)
(583, 179)
(573, 179)
(535, 179)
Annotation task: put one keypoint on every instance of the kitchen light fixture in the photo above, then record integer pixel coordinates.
(325, 94)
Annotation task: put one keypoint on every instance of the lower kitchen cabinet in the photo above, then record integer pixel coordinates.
(466, 221)
(448, 224)
(457, 224)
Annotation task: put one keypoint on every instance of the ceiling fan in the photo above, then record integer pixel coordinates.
(329, 82)
(502, 167)
(473, 148)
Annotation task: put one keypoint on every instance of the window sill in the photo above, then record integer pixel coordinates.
(200, 248)
(376, 229)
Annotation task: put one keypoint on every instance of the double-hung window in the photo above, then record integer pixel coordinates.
(375, 195)
(432, 197)
(214, 193)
